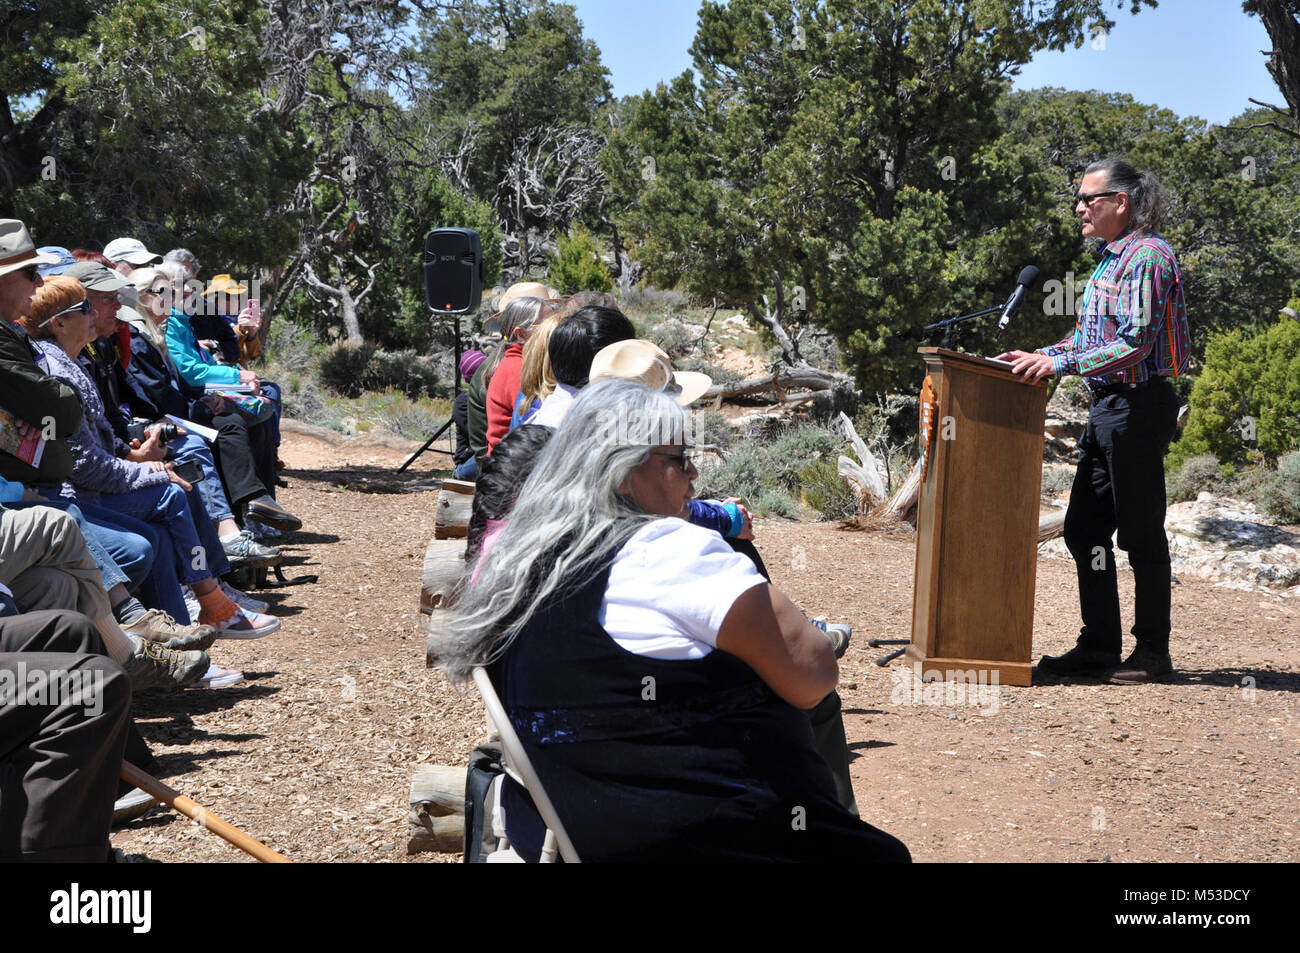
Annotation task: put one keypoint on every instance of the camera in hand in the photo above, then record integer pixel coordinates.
(138, 429)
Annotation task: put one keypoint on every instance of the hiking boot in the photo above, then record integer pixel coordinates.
(244, 552)
(1079, 661)
(266, 510)
(1144, 665)
(839, 634)
(242, 599)
(153, 667)
(157, 626)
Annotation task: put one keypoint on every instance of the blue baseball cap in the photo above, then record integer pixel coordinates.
(65, 261)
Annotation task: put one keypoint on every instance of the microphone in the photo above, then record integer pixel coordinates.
(1028, 275)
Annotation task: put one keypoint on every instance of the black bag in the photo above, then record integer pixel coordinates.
(484, 768)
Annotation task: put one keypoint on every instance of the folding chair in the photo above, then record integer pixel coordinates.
(516, 763)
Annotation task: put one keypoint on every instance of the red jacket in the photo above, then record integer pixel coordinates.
(503, 391)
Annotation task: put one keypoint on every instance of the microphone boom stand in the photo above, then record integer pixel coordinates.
(949, 326)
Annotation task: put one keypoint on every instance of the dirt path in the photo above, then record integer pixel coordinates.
(314, 754)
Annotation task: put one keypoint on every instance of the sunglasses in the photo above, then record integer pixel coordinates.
(683, 457)
(1087, 199)
(84, 306)
(31, 272)
(155, 291)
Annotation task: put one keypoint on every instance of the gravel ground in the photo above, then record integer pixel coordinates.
(313, 755)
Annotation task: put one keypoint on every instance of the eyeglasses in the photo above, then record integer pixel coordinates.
(1087, 199)
(683, 457)
(84, 306)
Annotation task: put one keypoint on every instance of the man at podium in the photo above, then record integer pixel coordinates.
(1129, 337)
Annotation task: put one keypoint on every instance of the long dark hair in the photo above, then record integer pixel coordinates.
(1144, 191)
(504, 473)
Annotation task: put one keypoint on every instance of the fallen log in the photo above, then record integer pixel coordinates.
(444, 565)
(1050, 525)
(902, 505)
(863, 474)
(437, 809)
(455, 503)
(787, 378)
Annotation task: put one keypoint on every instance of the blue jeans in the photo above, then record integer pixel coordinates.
(123, 557)
(467, 470)
(193, 447)
(271, 391)
(187, 548)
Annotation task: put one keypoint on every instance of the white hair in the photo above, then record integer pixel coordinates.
(570, 518)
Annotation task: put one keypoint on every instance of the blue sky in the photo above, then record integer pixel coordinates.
(1196, 57)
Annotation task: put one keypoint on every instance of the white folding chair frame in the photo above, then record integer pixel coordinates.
(521, 769)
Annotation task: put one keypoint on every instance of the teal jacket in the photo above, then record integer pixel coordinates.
(191, 364)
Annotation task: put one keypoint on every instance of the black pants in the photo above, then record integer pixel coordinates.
(1120, 485)
(60, 758)
(244, 457)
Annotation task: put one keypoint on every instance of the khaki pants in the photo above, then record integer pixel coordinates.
(45, 563)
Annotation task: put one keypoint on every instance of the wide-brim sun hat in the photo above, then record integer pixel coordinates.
(17, 250)
(646, 362)
(521, 289)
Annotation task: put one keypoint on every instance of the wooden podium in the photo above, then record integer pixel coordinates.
(977, 521)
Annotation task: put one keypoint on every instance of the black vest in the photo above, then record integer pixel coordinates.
(650, 759)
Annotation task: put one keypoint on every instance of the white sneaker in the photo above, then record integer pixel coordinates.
(219, 678)
(191, 603)
(242, 599)
(247, 625)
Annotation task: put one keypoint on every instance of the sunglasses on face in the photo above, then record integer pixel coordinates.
(31, 272)
(1088, 199)
(84, 306)
(682, 457)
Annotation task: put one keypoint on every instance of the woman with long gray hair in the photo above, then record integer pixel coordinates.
(657, 680)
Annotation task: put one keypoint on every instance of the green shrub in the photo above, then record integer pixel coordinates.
(415, 420)
(1056, 481)
(576, 265)
(351, 370)
(826, 492)
(720, 375)
(1280, 495)
(670, 334)
(775, 502)
(741, 474)
(343, 368)
(712, 428)
(1199, 474)
(795, 449)
(412, 374)
(1246, 401)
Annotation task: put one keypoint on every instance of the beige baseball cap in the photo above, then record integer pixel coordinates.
(645, 361)
(17, 250)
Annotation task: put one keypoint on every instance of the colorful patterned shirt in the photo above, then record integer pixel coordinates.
(1133, 322)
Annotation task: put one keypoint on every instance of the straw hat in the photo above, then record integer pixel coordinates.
(638, 360)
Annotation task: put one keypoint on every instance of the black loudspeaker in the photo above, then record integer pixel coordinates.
(453, 270)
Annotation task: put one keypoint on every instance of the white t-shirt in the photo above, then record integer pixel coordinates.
(555, 406)
(670, 587)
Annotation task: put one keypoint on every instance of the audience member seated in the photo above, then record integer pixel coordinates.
(574, 344)
(199, 371)
(61, 325)
(502, 368)
(464, 461)
(154, 390)
(498, 486)
(60, 757)
(657, 681)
